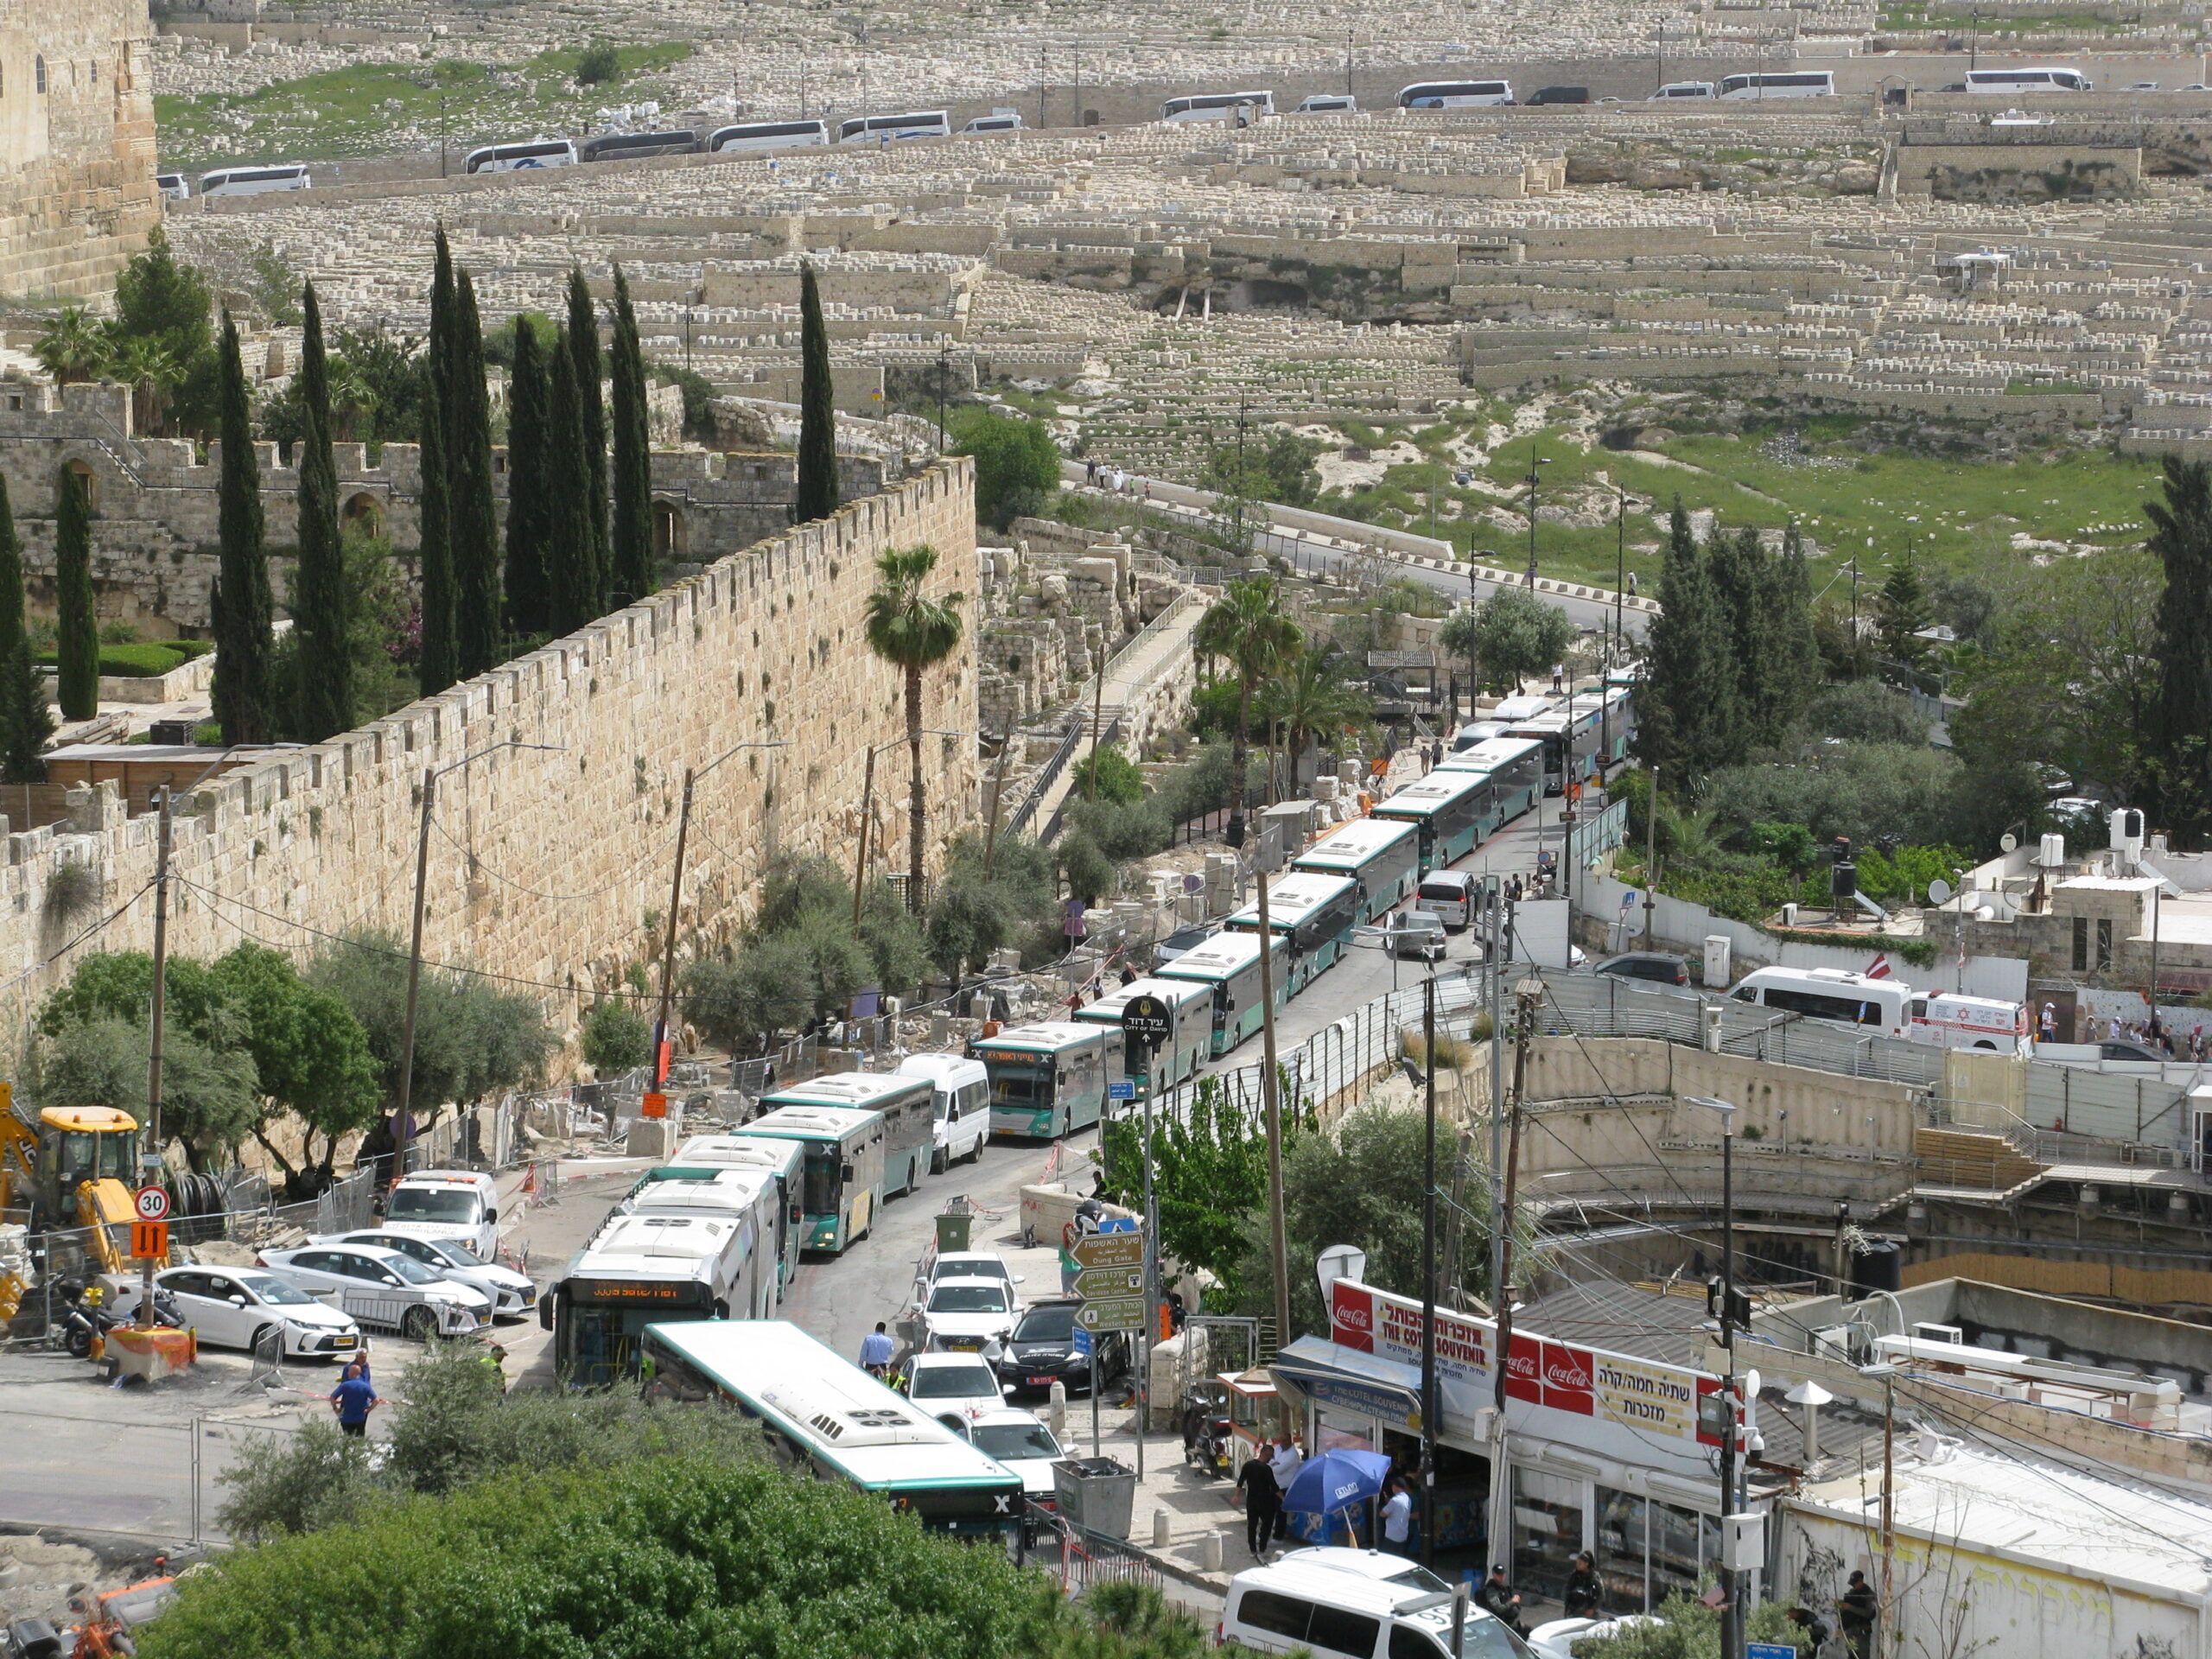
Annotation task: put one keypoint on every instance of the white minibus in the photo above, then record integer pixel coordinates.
(768, 134)
(962, 1091)
(516, 158)
(996, 120)
(1683, 89)
(1884, 1005)
(1328, 104)
(171, 187)
(255, 180)
(1455, 94)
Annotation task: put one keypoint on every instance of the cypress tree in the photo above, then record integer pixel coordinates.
(318, 622)
(25, 723)
(1793, 673)
(568, 531)
(591, 454)
(528, 485)
(1736, 567)
(632, 532)
(242, 605)
(435, 576)
(471, 512)
(1687, 719)
(817, 408)
(2177, 741)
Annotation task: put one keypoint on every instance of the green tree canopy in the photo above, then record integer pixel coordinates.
(1279, 469)
(616, 1038)
(1515, 635)
(1017, 463)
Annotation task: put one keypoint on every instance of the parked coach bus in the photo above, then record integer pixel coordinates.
(1455, 94)
(1238, 109)
(841, 1186)
(1313, 914)
(767, 135)
(893, 129)
(1380, 853)
(519, 158)
(2026, 81)
(1048, 1079)
(1190, 1032)
(823, 1416)
(1811, 83)
(636, 146)
(255, 180)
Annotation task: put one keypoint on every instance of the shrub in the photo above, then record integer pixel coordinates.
(133, 662)
(599, 64)
(1122, 832)
(616, 1038)
(1017, 463)
(1118, 779)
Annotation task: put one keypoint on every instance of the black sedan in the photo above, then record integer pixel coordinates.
(1042, 1351)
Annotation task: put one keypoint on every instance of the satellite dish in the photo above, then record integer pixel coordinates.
(2008, 841)
(1939, 892)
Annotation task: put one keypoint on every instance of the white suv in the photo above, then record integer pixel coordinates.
(1312, 1601)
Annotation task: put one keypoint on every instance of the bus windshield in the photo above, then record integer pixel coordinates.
(1029, 1087)
(824, 1179)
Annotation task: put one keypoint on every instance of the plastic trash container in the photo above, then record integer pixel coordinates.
(953, 1231)
(1095, 1494)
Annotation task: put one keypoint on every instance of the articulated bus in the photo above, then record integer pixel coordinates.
(521, 158)
(1381, 854)
(841, 1185)
(749, 1197)
(1190, 1033)
(1228, 965)
(638, 1270)
(1238, 109)
(1315, 913)
(783, 1163)
(892, 129)
(1048, 1079)
(908, 1105)
(1513, 771)
(767, 135)
(825, 1417)
(1447, 808)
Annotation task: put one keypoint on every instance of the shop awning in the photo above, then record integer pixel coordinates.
(1331, 1375)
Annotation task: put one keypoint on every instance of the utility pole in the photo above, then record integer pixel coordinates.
(1348, 88)
(1097, 718)
(1535, 462)
(691, 776)
(1078, 80)
(1732, 1611)
(1429, 1275)
(1620, 577)
(1525, 996)
(943, 385)
(150, 1155)
(1494, 905)
(1651, 855)
(1041, 72)
(867, 807)
(998, 792)
(1271, 1098)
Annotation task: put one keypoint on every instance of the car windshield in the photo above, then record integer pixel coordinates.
(459, 1255)
(410, 1270)
(954, 1382)
(1016, 1440)
(990, 1267)
(967, 1299)
(276, 1291)
(452, 1204)
(1419, 1577)
(1047, 1325)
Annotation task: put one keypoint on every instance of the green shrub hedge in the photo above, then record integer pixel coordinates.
(139, 662)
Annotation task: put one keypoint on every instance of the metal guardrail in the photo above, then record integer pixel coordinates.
(1080, 1559)
(1110, 733)
(1044, 780)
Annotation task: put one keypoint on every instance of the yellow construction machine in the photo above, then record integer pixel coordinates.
(74, 1167)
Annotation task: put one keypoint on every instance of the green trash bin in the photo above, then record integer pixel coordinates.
(952, 1231)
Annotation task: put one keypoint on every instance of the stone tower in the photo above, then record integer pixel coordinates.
(77, 194)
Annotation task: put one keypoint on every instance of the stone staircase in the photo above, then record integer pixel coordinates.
(1973, 1161)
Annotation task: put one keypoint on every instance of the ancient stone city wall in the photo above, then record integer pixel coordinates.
(552, 866)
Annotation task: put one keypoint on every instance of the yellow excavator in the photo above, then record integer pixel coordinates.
(72, 1167)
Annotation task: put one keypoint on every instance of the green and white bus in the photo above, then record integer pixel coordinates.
(1190, 1013)
(823, 1416)
(1048, 1079)
(783, 1163)
(909, 1109)
(1447, 808)
(636, 1270)
(841, 1182)
(1228, 965)
(1381, 854)
(1513, 771)
(1315, 913)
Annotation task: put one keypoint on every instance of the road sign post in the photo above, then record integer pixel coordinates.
(1111, 1314)
(1146, 1024)
(150, 1240)
(152, 1203)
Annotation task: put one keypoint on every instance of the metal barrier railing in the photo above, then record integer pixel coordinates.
(1080, 1559)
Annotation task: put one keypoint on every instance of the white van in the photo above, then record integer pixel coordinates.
(1328, 104)
(1883, 1005)
(1354, 1604)
(964, 1104)
(1950, 1022)
(1450, 894)
(456, 1206)
(1693, 90)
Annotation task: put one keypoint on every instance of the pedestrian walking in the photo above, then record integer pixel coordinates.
(1398, 1520)
(1861, 1610)
(876, 1350)
(1582, 1593)
(352, 1402)
(2047, 1028)
(1262, 1505)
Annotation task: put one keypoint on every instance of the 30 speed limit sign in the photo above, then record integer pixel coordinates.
(153, 1203)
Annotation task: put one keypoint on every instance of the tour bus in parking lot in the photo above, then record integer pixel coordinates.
(1238, 109)
(1803, 83)
(1880, 1005)
(1455, 94)
(521, 157)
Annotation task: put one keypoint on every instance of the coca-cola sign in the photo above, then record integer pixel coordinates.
(1566, 1378)
(1352, 1315)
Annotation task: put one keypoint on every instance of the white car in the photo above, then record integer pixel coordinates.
(382, 1287)
(962, 1264)
(1556, 1640)
(1020, 1441)
(973, 1316)
(512, 1294)
(232, 1307)
(960, 1387)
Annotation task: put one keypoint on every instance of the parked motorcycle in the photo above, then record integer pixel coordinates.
(1209, 1442)
(92, 1311)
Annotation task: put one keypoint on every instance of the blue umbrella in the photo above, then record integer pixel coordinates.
(1337, 1480)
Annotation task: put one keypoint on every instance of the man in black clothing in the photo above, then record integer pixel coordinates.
(1496, 1599)
(1814, 1627)
(1862, 1609)
(1262, 1503)
(1579, 1597)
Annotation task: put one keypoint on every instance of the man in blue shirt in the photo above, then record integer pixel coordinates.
(353, 1400)
(876, 1352)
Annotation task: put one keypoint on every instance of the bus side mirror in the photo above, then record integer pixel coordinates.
(845, 1171)
(545, 1314)
(491, 1215)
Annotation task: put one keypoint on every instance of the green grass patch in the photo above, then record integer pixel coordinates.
(141, 662)
(353, 112)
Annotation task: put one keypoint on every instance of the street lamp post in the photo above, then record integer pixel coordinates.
(1535, 462)
(691, 776)
(1732, 1613)
(402, 1123)
(867, 805)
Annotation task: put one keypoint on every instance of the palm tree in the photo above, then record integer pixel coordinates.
(1248, 628)
(352, 401)
(72, 346)
(1309, 700)
(151, 370)
(912, 632)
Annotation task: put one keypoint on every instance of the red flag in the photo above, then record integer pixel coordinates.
(1879, 967)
